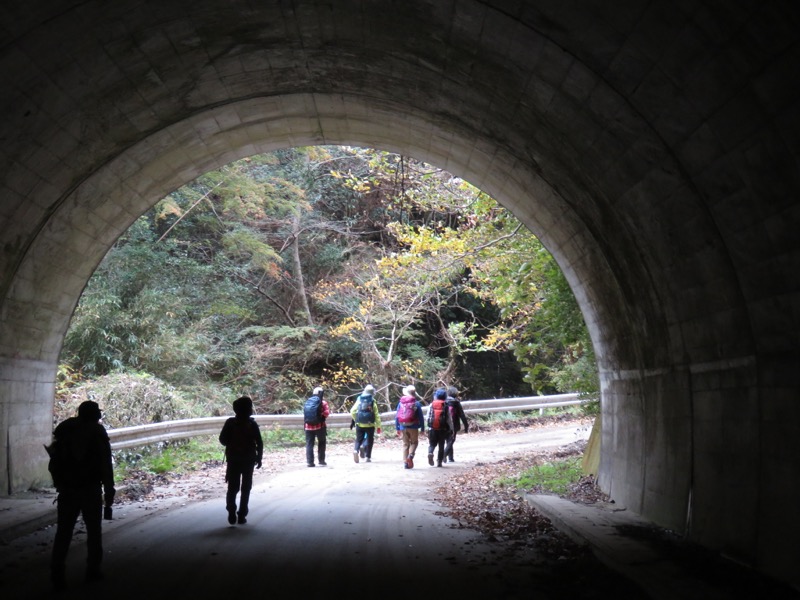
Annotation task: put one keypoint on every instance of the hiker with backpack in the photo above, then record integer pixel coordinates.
(367, 420)
(457, 417)
(82, 471)
(315, 411)
(439, 426)
(244, 450)
(409, 422)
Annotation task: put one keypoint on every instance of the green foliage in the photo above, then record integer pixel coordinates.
(474, 247)
(276, 438)
(177, 457)
(127, 399)
(550, 478)
(325, 265)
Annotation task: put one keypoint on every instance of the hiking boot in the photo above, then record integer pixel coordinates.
(322, 463)
(58, 580)
(410, 461)
(232, 516)
(430, 459)
(93, 574)
(242, 519)
(369, 459)
(311, 465)
(362, 452)
(355, 455)
(439, 463)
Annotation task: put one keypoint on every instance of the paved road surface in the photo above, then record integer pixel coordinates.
(348, 530)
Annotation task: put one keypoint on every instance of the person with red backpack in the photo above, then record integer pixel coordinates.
(244, 449)
(439, 426)
(409, 422)
(457, 417)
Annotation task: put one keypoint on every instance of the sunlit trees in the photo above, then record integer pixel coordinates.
(486, 253)
(341, 266)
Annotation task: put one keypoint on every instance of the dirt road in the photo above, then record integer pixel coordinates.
(344, 530)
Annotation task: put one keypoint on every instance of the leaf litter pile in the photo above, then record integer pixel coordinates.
(477, 499)
(527, 544)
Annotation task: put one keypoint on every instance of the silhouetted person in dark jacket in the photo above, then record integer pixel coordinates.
(243, 452)
(84, 477)
(457, 417)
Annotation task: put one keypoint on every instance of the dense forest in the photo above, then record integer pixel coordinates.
(331, 266)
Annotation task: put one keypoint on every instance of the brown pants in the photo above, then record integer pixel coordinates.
(410, 442)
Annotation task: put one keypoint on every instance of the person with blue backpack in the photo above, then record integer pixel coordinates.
(409, 421)
(315, 411)
(366, 420)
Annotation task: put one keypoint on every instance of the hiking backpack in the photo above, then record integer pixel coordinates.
(365, 414)
(312, 411)
(438, 415)
(407, 411)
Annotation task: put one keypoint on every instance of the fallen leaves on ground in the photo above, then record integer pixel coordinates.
(477, 499)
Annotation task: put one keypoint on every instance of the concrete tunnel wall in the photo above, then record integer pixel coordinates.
(653, 149)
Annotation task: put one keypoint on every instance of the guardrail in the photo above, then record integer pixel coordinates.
(142, 435)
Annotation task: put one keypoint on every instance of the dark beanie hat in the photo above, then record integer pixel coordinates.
(89, 411)
(243, 407)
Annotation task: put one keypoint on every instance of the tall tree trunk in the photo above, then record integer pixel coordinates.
(298, 269)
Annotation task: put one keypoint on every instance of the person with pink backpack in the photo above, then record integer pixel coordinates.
(409, 422)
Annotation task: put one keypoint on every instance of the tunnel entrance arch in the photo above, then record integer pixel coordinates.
(107, 202)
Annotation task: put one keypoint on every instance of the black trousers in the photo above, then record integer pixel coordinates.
(321, 437)
(448, 447)
(437, 439)
(239, 475)
(365, 436)
(86, 501)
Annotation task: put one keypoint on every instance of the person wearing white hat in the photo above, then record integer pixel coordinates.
(367, 421)
(409, 421)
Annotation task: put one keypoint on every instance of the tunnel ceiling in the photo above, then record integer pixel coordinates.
(608, 133)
